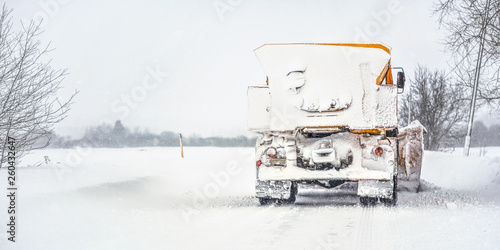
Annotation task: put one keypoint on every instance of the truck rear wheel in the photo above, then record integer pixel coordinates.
(394, 200)
(368, 201)
(391, 201)
(265, 201)
(293, 194)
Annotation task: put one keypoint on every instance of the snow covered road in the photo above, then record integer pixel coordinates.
(150, 198)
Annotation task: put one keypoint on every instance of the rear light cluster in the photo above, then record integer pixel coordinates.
(378, 151)
(271, 152)
(272, 157)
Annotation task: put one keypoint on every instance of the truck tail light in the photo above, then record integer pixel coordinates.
(259, 163)
(379, 151)
(271, 152)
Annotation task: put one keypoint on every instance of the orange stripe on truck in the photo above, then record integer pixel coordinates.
(362, 45)
(386, 72)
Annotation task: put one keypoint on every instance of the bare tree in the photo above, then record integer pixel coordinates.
(29, 106)
(474, 25)
(438, 105)
(474, 29)
(495, 135)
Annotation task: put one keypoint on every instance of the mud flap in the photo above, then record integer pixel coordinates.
(375, 188)
(273, 189)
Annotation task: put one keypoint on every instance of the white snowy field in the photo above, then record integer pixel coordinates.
(151, 198)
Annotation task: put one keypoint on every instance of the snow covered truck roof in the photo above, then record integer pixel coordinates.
(323, 85)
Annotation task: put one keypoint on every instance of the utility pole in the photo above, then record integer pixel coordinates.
(477, 75)
(409, 104)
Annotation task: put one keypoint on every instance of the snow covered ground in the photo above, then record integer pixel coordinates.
(151, 198)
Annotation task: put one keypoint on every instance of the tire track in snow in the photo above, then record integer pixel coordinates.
(393, 230)
(253, 227)
(339, 228)
(364, 238)
(264, 228)
(316, 227)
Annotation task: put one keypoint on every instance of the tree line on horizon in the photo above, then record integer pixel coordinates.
(482, 135)
(119, 136)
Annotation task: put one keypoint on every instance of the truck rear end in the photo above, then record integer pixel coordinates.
(327, 114)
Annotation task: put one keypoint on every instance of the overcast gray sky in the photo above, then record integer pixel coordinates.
(184, 66)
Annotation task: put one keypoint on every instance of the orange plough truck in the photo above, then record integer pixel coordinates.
(327, 115)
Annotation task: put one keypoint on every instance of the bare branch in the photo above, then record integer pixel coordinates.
(29, 107)
(464, 21)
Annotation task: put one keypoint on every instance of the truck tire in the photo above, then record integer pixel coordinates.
(368, 201)
(394, 200)
(265, 201)
(293, 194)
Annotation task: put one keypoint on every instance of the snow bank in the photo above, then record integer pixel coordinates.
(73, 169)
(474, 174)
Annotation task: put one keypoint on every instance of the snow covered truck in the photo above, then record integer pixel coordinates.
(327, 115)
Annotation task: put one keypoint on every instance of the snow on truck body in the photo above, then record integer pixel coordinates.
(327, 114)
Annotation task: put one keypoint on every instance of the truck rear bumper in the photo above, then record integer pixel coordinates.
(295, 173)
